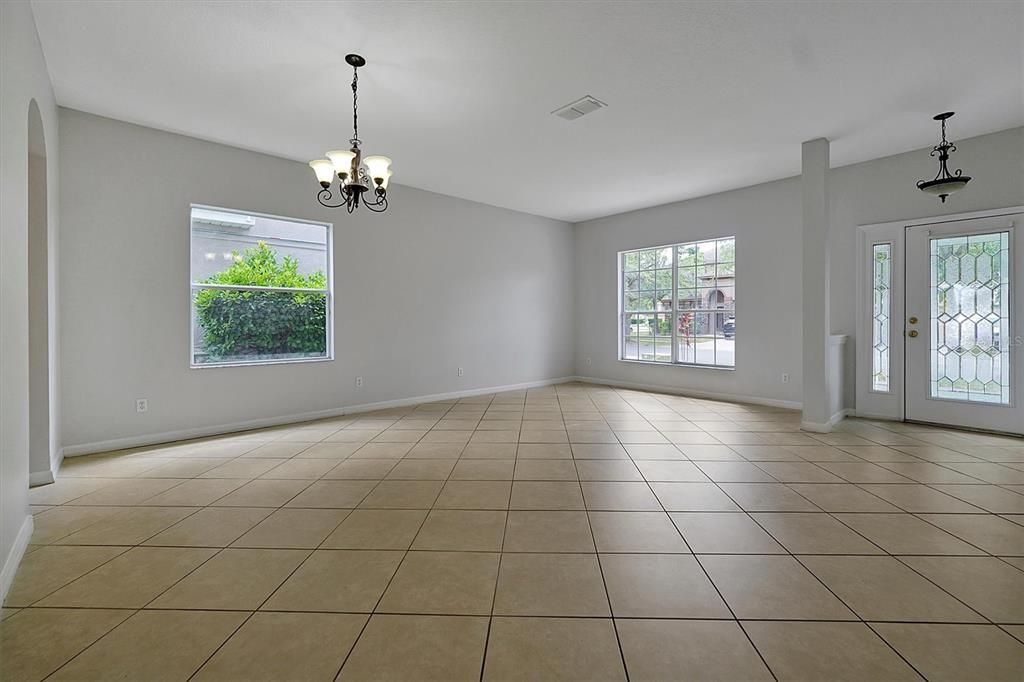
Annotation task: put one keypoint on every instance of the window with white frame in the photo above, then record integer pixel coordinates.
(678, 303)
(260, 288)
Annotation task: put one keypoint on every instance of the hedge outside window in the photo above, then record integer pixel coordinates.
(260, 289)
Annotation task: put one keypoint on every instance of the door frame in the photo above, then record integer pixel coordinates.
(891, 405)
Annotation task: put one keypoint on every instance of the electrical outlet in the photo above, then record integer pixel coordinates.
(141, 405)
(359, 382)
(785, 378)
(461, 372)
(588, 361)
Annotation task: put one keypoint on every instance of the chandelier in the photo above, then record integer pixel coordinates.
(361, 180)
(944, 183)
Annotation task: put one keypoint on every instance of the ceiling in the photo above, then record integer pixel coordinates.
(703, 96)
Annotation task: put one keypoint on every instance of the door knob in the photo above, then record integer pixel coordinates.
(912, 320)
(912, 333)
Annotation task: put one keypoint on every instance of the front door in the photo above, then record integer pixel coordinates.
(964, 324)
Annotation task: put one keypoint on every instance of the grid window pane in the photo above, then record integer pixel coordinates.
(630, 340)
(259, 289)
(698, 323)
(726, 250)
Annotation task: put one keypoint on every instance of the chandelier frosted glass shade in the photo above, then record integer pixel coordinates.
(361, 181)
(341, 159)
(324, 171)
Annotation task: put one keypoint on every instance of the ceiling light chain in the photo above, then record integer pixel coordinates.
(355, 107)
(944, 183)
(357, 176)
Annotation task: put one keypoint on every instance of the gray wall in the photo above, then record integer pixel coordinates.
(434, 284)
(766, 221)
(24, 78)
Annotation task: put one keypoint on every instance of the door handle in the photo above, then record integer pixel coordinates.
(912, 333)
(912, 320)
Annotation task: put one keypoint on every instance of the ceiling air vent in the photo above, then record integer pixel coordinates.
(581, 107)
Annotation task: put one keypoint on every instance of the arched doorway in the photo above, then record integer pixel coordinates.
(716, 301)
(38, 304)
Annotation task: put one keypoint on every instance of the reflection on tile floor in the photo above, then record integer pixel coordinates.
(570, 532)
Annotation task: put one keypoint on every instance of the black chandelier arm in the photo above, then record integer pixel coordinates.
(380, 205)
(944, 173)
(325, 195)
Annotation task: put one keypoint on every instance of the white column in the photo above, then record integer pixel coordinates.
(816, 320)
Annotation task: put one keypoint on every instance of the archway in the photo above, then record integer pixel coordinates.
(716, 301)
(40, 470)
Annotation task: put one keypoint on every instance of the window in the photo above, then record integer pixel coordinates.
(881, 275)
(260, 289)
(970, 318)
(678, 303)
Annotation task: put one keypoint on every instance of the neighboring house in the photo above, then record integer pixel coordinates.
(217, 238)
(716, 292)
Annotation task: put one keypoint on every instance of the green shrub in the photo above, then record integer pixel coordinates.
(258, 323)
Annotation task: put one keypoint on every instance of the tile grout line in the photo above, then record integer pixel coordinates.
(600, 568)
(497, 577)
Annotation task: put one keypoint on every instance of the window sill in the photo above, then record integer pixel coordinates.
(677, 364)
(259, 363)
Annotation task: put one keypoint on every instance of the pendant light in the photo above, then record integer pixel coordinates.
(944, 183)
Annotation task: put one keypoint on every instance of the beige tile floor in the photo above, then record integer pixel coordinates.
(574, 532)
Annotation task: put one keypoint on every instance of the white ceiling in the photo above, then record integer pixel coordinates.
(703, 96)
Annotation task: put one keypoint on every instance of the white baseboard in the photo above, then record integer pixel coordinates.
(689, 393)
(41, 478)
(827, 426)
(13, 558)
(219, 429)
(49, 476)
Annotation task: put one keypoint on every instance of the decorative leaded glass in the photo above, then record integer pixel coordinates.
(882, 289)
(970, 318)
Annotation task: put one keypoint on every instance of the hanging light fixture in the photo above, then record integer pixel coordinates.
(944, 183)
(361, 181)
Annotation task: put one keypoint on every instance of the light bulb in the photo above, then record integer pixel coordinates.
(324, 171)
(377, 166)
